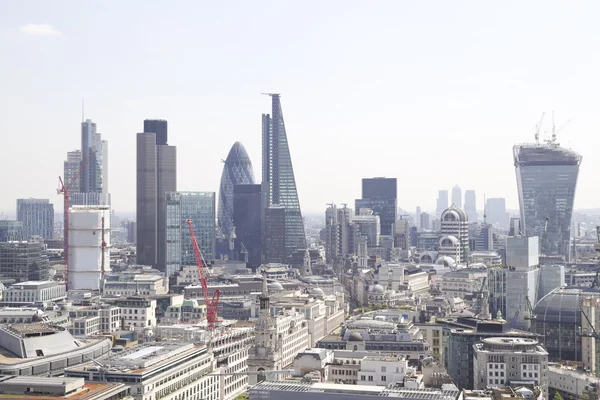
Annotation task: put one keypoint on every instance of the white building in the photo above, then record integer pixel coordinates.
(278, 340)
(382, 370)
(463, 282)
(188, 311)
(455, 234)
(135, 285)
(158, 370)
(572, 383)
(137, 312)
(34, 292)
(89, 244)
(108, 317)
(503, 361)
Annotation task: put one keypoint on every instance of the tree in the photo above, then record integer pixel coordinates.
(557, 396)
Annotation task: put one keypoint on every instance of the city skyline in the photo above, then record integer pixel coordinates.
(486, 102)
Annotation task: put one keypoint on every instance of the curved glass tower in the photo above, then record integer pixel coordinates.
(236, 171)
(546, 180)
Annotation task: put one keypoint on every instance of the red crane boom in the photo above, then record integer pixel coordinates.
(64, 190)
(212, 305)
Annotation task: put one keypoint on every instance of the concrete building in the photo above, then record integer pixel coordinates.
(89, 244)
(135, 285)
(41, 293)
(24, 261)
(37, 217)
(103, 318)
(455, 234)
(495, 209)
(34, 349)
(25, 388)
(71, 167)
(162, 370)
(463, 283)
(156, 175)
(572, 384)
(335, 391)
(189, 311)
(368, 225)
(137, 312)
(502, 361)
(279, 339)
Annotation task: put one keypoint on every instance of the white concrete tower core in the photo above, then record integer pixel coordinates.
(85, 246)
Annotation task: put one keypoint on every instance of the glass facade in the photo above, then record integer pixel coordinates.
(546, 179)
(246, 218)
(559, 321)
(200, 208)
(236, 171)
(279, 183)
(37, 217)
(380, 195)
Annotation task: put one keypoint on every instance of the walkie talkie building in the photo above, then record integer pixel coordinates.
(547, 179)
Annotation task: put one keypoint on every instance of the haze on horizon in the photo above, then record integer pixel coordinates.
(435, 94)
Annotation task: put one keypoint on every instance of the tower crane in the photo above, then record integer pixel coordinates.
(212, 305)
(63, 188)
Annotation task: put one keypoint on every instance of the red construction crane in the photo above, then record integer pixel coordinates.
(212, 305)
(64, 190)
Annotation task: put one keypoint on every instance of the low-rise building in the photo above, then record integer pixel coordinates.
(573, 384)
(188, 311)
(462, 283)
(26, 388)
(34, 292)
(503, 361)
(135, 285)
(157, 370)
(103, 318)
(137, 312)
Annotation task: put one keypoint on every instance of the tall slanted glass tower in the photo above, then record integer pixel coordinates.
(279, 184)
(546, 180)
(237, 170)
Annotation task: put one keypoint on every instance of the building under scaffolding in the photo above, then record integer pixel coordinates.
(24, 261)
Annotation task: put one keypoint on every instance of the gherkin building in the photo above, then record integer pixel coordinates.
(236, 171)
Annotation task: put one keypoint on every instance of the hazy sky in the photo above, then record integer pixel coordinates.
(434, 93)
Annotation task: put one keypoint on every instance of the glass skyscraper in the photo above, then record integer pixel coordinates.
(200, 208)
(236, 171)
(546, 180)
(279, 184)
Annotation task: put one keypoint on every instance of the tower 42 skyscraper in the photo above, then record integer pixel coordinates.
(546, 180)
(279, 184)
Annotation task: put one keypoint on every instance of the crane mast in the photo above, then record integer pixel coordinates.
(63, 188)
(212, 305)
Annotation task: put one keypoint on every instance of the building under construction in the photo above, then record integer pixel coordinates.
(24, 261)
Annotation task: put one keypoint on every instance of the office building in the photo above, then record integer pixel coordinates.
(246, 219)
(471, 205)
(380, 195)
(457, 196)
(156, 175)
(455, 234)
(199, 207)
(274, 245)
(161, 370)
(442, 202)
(71, 168)
(368, 225)
(278, 339)
(546, 181)
(340, 233)
(24, 261)
(237, 170)
(418, 217)
(11, 231)
(40, 293)
(521, 279)
(503, 361)
(37, 217)
(495, 210)
(92, 167)
(425, 222)
(279, 183)
(89, 246)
